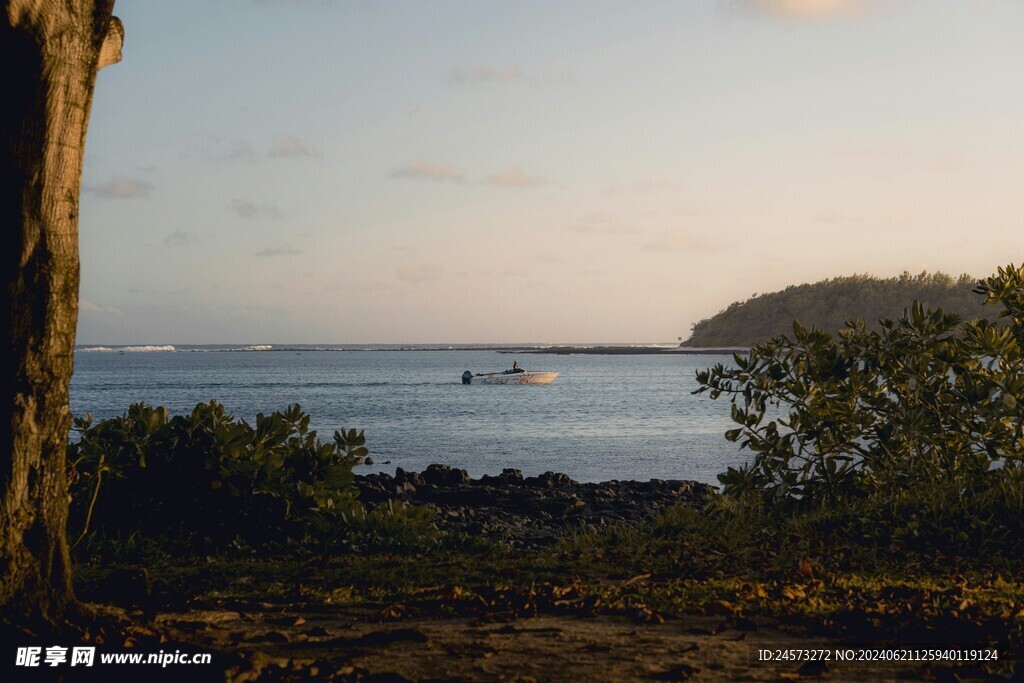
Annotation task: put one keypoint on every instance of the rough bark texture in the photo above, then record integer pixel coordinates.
(50, 52)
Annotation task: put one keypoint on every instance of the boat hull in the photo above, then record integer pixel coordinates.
(528, 377)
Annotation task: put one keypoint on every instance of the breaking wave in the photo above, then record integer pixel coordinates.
(166, 347)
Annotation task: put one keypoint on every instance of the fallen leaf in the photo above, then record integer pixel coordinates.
(806, 568)
(722, 607)
(683, 672)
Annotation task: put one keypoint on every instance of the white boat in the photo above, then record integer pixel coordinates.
(510, 377)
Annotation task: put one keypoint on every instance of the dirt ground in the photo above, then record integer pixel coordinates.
(284, 644)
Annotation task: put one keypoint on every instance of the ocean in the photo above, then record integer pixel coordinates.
(605, 417)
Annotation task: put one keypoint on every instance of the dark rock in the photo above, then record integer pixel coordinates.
(526, 513)
(443, 475)
(508, 477)
(556, 508)
(550, 480)
(427, 493)
(464, 496)
(368, 460)
(413, 478)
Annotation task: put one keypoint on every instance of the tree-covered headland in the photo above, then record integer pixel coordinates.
(829, 304)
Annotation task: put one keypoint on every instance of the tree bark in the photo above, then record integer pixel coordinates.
(50, 52)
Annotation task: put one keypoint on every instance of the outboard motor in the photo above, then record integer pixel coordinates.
(467, 377)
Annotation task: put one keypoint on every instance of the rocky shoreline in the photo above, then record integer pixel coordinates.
(626, 350)
(526, 512)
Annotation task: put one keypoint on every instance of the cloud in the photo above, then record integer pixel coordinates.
(420, 273)
(422, 170)
(239, 150)
(218, 148)
(291, 146)
(180, 239)
(513, 177)
(809, 10)
(647, 185)
(244, 208)
(675, 240)
(121, 188)
(270, 252)
(486, 74)
(86, 305)
(603, 224)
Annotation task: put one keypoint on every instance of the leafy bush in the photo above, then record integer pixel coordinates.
(392, 526)
(209, 479)
(925, 402)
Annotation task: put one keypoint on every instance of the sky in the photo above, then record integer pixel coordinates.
(331, 171)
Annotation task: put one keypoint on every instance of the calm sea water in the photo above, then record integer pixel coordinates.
(604, 417)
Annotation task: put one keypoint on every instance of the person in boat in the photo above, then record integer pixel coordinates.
(516, 368)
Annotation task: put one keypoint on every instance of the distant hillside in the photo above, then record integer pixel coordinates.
(830, 303)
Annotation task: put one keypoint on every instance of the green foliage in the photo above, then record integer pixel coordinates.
(392, 526)
(829, 304)
(924, 403)
(209, 479)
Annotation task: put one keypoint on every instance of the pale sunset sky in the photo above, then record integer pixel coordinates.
(332, 171)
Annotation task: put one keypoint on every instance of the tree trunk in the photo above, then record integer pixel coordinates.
(50, 52)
